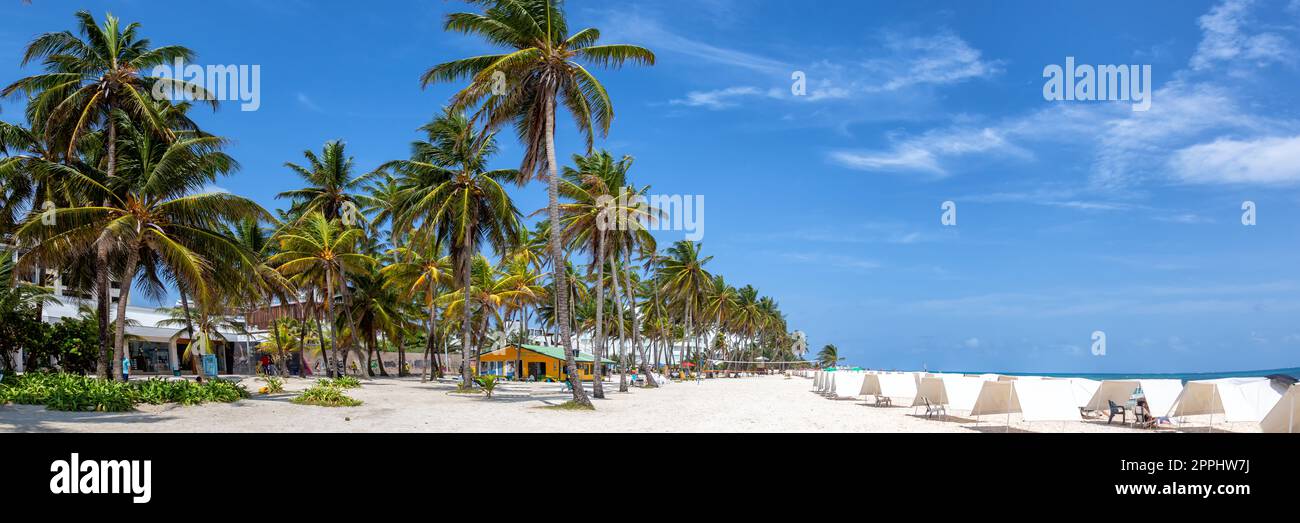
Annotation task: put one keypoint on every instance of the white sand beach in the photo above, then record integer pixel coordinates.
(753, 404)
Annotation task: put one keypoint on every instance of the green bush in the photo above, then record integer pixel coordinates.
(342, 382)
(73, 392)
(488, 382)
(325, 396)
(274, 384)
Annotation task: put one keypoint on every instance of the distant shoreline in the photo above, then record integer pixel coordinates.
(1185, 376)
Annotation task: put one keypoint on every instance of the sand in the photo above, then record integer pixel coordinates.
(753, 404)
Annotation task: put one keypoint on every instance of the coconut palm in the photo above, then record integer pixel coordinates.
(421, 273)
(322, 249)
(331, 188)
(88, 79)
(451, 198)
(720, 306)
(539, 69)
(829, 356)
(684, 282)
(153, 213)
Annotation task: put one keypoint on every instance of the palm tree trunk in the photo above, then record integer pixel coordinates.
(329, 312)
(637, 348)
(557, 259)
(597, 388)
(102, 366)
(467, 380)
(119, 334)
(428, 344)
(618, 313)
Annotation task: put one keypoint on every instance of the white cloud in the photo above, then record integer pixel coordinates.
(307, 103)
(938, 59)
(924, 153)
(647, 31)
(1224, 39)
(722, 98)
(1265, 161)
(972, 343)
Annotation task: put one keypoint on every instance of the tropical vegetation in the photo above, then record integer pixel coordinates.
(104, 183)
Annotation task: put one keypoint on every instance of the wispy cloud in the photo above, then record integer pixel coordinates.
(307, 103)
(926, 153)
(1263, 161)
(723, 98)
(1226, 40)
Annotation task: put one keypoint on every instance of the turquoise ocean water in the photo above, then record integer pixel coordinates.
(1185, 376)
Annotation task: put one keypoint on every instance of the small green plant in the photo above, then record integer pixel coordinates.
(325, 396)
(274, 384)
(488, 382)
(347, 382)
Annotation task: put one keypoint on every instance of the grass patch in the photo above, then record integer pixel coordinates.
(326, 396)
(569, 405)
(77, 393)
(341, 382)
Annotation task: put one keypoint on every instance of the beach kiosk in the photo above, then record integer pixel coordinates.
(539, 363)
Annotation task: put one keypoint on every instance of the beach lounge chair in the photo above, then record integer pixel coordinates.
(932, 409)
(1116, 409)
(884, 401)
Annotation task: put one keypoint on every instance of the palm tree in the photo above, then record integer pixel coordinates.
(152, 214)
(461, 203)
(720, 304)
(331, 189)
(540, 70)
(684, 281)
(322, 249)
(87, 80)
(421, 273)
(587, 220)
(829, 356)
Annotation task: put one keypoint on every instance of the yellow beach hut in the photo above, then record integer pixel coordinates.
(539, 362)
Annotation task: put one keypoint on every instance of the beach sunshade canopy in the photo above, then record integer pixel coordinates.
(1160, 394)
(1285, 416)
(1034, 400)
(1084, 389)
(1236, 399)
(848, 385)
(895, 385)
(956, 392)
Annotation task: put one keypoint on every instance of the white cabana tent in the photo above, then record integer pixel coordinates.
(818, 379)
(1285, 416)
(1034, 400)
(954, 391)
(848, 384)
(1236, 399)
(1160, 394)
(1084, 389)
(890, 385)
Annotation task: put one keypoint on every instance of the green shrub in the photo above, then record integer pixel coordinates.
(274, 384)
(91, 394)
(80, 393)
(488, 382)
(224, 391)
(342, 382)
(325, 396)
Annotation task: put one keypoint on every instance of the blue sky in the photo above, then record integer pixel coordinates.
(1073, 217)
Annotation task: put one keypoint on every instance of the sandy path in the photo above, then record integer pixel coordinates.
(756, 404)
